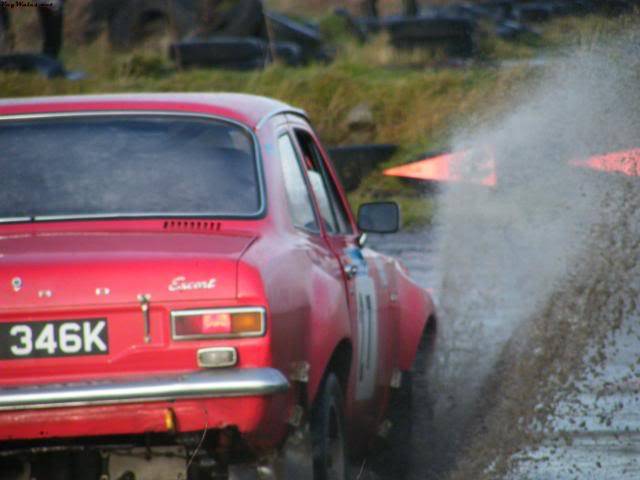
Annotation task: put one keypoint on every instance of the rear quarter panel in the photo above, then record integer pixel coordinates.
(303, 279)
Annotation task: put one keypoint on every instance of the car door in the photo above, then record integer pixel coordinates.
(306, 281)
(369, 306)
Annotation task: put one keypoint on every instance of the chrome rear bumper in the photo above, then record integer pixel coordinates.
(206, 384)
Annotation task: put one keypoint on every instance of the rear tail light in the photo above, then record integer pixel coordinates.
(218, 323)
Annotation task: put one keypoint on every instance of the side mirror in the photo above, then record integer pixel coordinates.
(379, 217)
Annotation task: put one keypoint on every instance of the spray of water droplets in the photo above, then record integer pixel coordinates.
(536, 273)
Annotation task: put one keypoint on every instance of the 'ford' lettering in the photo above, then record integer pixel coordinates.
(180, 284)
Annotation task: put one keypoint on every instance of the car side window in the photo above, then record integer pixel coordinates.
(300, 204)
(331, 208)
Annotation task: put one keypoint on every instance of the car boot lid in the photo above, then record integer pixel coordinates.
(81, 269)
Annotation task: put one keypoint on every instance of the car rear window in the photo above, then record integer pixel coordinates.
(126, 165)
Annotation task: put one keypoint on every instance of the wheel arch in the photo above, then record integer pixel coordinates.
(339, 363)
(417, 319)
(427, 344)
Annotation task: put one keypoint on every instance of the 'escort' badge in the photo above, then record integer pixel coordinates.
(180, 284)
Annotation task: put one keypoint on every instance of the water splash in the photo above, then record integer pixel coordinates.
(531, 272)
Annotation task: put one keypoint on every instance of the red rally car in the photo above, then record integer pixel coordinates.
(181, 277)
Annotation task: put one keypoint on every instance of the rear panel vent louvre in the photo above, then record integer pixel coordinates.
(192, 225)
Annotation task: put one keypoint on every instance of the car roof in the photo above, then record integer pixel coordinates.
(251, 110)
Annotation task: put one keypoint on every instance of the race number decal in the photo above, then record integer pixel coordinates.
(367, 337)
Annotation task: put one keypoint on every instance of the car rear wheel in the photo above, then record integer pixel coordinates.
(411, 413)
(330, 459)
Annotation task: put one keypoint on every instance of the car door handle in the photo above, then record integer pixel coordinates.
(351, 270)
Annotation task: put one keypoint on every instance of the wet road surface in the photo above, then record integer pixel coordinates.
(591, 430)
(596, 427)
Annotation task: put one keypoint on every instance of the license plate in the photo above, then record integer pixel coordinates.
(53, 339)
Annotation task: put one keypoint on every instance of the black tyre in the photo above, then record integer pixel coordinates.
(233, 52)
(455, 35)
(244, 19)
(411, 414)
(394, 458)
(534, 12)
(285, 29)
(138, 19)
(218, 51)
(328, 433)
(612, 7)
